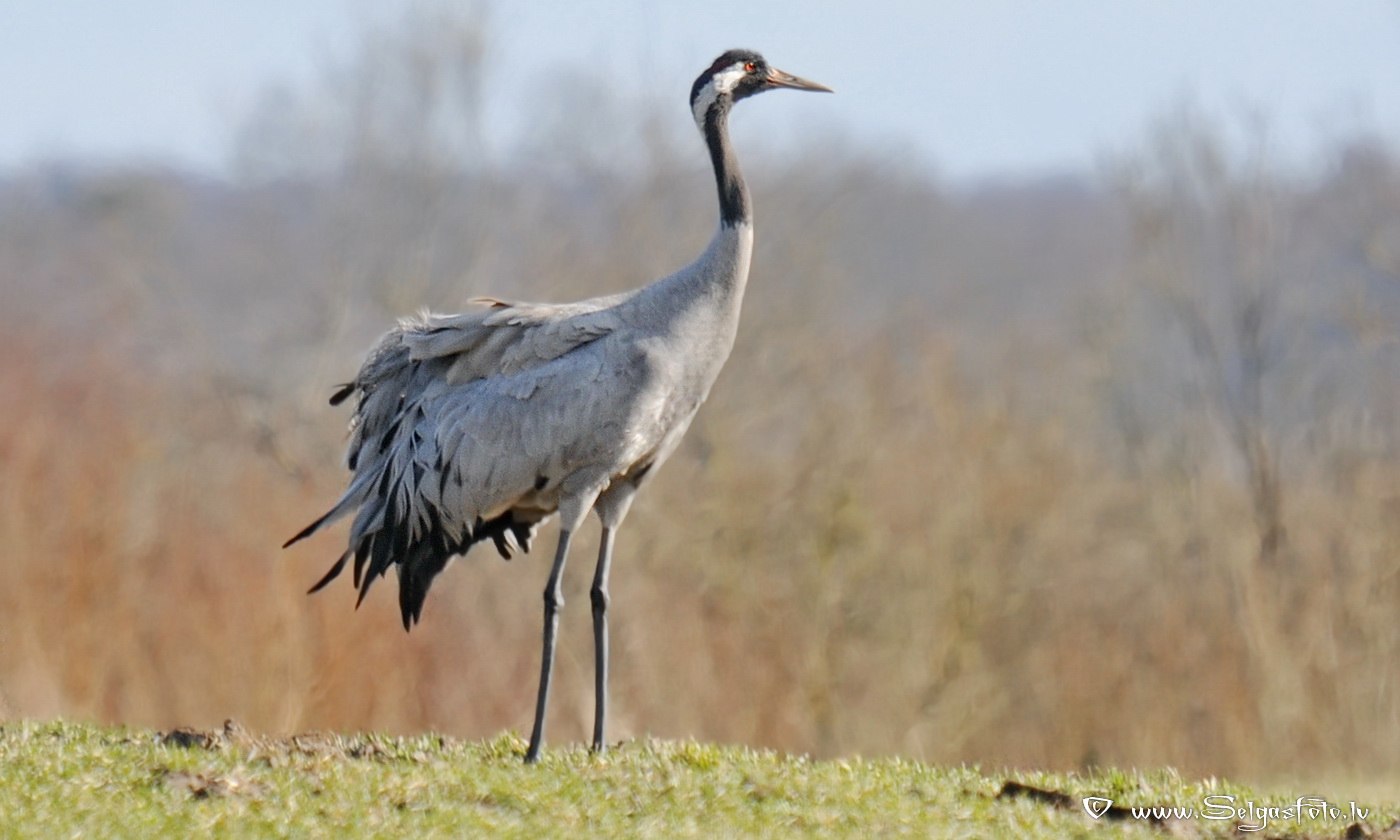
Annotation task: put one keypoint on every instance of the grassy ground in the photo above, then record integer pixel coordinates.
(61, 779)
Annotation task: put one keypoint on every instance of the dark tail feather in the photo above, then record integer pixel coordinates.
(416, 575)
(348, 502)
(373, 546)
(524, 533)
(507, 534)
(345, 390)
(361, 557)
(420, 560)
(331, 575)
(310, 529)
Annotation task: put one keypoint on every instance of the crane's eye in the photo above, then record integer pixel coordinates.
(750, 67)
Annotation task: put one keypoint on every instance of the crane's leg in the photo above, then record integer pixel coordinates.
(612, 508)
(599, 596)
(553, 600)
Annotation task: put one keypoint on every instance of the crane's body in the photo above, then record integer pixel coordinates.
(482, 425)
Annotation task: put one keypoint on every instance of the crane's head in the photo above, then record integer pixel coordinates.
(735, 75)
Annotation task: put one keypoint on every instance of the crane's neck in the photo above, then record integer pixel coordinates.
(734, 206)
(699, 304)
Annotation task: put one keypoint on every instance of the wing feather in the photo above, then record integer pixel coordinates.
(456, 416)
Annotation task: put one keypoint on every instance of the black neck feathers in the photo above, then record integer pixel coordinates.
(733, 192)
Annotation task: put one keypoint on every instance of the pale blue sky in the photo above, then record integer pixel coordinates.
(992, 87)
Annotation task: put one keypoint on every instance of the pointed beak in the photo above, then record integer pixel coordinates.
(779, 79)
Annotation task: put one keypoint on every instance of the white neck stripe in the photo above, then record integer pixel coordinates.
(722, 82)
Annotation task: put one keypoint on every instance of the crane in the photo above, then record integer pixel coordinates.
(480, 426)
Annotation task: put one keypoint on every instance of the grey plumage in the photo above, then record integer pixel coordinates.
(482, 425)
(466, 421)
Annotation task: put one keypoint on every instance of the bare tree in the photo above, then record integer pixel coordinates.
(1208, 238)
(407, 100)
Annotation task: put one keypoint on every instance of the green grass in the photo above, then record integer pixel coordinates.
(63, 779)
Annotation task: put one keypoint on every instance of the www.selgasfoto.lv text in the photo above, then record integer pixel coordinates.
(1248, 815)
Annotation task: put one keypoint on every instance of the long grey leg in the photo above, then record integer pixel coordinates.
(553, 601)
(599, 595)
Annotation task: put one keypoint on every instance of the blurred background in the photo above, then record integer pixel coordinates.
(1063, 426)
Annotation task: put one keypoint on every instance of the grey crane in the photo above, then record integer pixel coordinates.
(483, 425)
